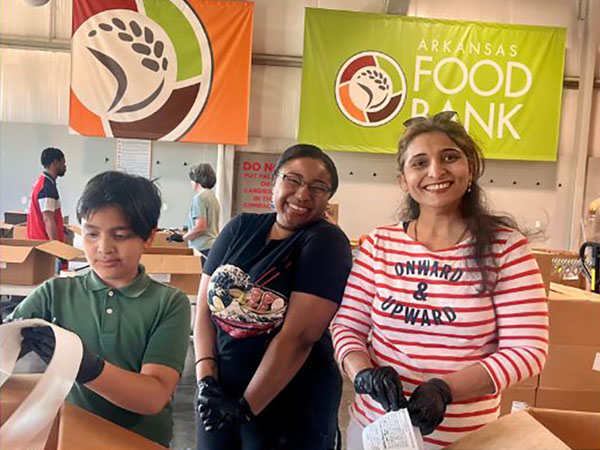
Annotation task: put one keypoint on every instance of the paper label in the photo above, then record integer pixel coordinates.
(2, 265)
(518, 406)
(161, 277)
(393, 431)
(596, 365)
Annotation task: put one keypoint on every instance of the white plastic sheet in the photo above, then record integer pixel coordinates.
(29, 425)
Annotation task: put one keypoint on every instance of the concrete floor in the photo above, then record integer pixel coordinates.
(184, 432)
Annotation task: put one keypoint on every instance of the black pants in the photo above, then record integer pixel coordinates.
(308, 424)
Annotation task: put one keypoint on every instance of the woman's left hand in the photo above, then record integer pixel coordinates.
(219, 411)
(427, 405)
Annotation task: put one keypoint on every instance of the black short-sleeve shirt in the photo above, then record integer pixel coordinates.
(252, 279)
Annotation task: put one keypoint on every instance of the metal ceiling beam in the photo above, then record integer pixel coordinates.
(259, 59)
(398, 7)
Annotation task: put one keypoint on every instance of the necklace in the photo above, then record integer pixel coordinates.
(283, 227)
(462, 235)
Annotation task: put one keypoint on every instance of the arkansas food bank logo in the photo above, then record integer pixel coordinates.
(138, 74)
(370, 88)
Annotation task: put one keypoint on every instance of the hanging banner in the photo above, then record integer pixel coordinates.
(364, 74)
(169, 70)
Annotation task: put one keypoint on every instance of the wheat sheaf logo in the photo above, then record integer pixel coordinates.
(144, 71)
(370, 88)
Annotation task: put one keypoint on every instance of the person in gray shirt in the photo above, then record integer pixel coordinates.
(203, 217)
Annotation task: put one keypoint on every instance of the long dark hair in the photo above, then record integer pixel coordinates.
(481, 222)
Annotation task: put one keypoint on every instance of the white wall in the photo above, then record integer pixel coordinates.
(22, 143)
(366, 200)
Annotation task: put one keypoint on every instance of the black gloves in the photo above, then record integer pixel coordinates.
(175, 237)
(41, 340)
(427, 405)
(217, 410)
(383, 384)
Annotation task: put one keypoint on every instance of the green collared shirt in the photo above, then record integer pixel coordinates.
(145, 322)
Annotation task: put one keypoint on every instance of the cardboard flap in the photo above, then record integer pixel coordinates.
(580, 430)
(75, 229)
(179, 264)
(574, 292)
(12, 254)
(60, 249)
(511, 432)
(169, 251)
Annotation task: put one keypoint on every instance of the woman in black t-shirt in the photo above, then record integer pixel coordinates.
(271, 285)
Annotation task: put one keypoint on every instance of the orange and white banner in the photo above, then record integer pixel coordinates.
(170, 70)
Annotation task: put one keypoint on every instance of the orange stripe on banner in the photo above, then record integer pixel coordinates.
(229, 27)
(82, 120)
(348, 105)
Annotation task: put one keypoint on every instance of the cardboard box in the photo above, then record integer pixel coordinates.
(74, 428)
(13, 231)
(20, 217)
(27, 262)
(572, 367)
(516, 431)
(579, 430)
(528, 382)
(568, 399)
(6, 230)
(181, 271)
(15, 217)
(20, 231)
(160, 240)
(169, 251)
(536, 429)
(574, 316)
(544, 262)
(563, 264)
(516, 399)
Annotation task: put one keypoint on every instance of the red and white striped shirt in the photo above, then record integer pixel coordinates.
(420, 312)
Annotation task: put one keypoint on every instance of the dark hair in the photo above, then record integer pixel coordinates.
(204, 175)
(138, 199)
(309, 151)
(51, 154)
(481, 222)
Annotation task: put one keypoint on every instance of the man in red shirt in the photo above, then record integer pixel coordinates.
(45, 220)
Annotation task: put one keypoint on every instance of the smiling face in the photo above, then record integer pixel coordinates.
(111, 247)
(298, 206)
(436, 172)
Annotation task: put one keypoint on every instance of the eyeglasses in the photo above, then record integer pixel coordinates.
(441, 117)
(317, 188)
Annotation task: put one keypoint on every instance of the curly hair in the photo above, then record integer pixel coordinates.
(204, 175)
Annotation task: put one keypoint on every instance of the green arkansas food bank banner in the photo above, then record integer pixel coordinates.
(364, 74)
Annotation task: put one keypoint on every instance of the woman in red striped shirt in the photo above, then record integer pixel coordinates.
(447, 308)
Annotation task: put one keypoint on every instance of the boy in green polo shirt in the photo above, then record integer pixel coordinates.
(134, 330)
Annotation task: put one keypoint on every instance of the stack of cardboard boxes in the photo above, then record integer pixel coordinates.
(566, 395)
(571, 378)
(28, 262)
(15, 226)
(173, 263)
